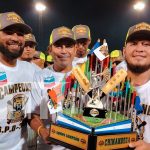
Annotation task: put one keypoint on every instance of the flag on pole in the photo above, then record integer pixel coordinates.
(96, 45)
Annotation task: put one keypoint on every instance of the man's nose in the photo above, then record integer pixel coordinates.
(63, 48)
(15, 36)
(139, 47)
(80, 46)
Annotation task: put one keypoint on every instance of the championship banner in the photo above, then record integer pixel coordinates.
(107, 142)
(68, 136)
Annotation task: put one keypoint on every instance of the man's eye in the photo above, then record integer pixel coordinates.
(12, 32)
(57, 46)
(146, 44)
(69, 46)
(9, 32)
(19, 34)
(133, 43)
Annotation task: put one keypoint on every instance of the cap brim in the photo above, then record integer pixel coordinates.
(24, 28)
(139, 35)
(82, 37)
(26, 41)
(65, 38)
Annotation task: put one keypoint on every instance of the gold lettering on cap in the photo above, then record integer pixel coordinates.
(142, 26)
(28, 36)
(64, 31)
(81, 30)
(14, 17)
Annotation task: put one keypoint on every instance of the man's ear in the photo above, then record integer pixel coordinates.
(124, 51)
(49, 49)
(75, 49)
(89, 41)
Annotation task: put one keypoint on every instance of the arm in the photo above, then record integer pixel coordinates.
(140, 145)
(37, 125)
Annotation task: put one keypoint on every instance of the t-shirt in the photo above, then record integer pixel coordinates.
(144, 94)
(47, 79)
(77, 61)
(16, 101)
(122, 65)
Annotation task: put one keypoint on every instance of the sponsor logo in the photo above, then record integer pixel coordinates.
(3, 78)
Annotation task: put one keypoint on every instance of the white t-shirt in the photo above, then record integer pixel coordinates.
(122, 65)
(77, 61)
(46, 78)
(144, 94)
(16, 101)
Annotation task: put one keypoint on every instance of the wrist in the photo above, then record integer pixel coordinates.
(39, 130)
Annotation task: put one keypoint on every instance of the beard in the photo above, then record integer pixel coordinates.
(137, 68)
(11, 55)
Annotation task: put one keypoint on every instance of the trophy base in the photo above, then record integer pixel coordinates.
(94, 112)
(77, 140)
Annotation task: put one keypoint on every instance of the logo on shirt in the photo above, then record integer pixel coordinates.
(49, 82)
(16, 108)
(3, 78)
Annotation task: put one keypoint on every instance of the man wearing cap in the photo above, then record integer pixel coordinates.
(16, 85)
(62, 49)
(49, 61)
(137, 57)
(29, 48)
(38, 59)
(83, 40)
(116, 56)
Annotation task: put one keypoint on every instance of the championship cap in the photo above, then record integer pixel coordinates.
(81, 31)
(11, 19)
(61, 33)
(30, 38)
(140, 31)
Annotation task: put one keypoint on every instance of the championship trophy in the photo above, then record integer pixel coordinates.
(98, 109)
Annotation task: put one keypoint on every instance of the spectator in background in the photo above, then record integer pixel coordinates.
(116, 57)
(49, 61)
(29, 48)
(83, 40)
(38, 59)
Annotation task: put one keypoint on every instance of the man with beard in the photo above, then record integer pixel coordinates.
(29, 47)
(83, 40)
(137, 57)
(17, 92)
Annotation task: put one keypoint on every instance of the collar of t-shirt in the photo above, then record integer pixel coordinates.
(59, 76)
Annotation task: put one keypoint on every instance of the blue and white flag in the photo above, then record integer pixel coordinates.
(97, 44)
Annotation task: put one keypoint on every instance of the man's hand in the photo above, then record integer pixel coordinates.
(44, 133)
(140, 145)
